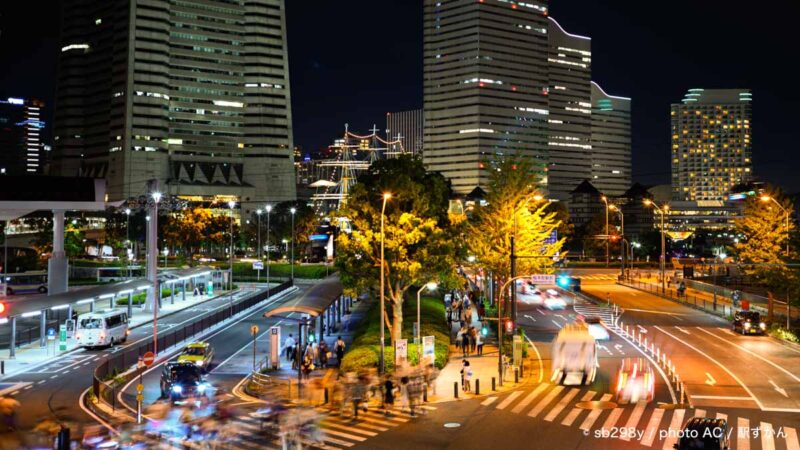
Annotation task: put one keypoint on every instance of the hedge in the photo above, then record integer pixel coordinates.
(365, 349)
(244, 271)
(139, 299)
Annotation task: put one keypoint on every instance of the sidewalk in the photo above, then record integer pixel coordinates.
(722, 306)
(32, 355)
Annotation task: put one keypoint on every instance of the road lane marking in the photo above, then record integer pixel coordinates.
(721, 397)
(781, 390)
(40, 382)
(538, 358)
(699, 412)
(561, 405)
(529, 398)
(758, 402)
(743, 434)
(576, 411)
(633, 420)
(488, 401)
(556, 323)
(543, 402)
(612, 418)
(54, 376)
(509, 399)
(682, 330)
(655, 312)
(791, 438)
(674, 428)
(594, 414)
(27, 387)
(710, 380)
(795, 377)
(350, 428)
(722, 416)
(651, 431)
(14, 393)
(767, 436)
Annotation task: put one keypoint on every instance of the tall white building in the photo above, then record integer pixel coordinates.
(406, 126)
(611, 142)
(194, 93)
(711, 143)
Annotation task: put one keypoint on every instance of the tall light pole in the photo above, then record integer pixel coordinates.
(431, 286)
(258, 253)
(152, 269)
(605, 200)
(231, 205)
(293, 210)
(767, 198)
(269, 210)
(662, 211)
(128, 247)
(386, 197)
(622, 234)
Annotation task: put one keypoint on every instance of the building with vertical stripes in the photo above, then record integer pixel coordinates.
(407, 127)
(611, 142)
(193, 93)
(21, 129)
(711, 143)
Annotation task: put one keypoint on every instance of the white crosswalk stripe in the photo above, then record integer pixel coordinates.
(612, 419)
(543, 403)
(594, 414)
(651, 432)
(605, 314)
(633, 420)
(577, 411)
(742, 434)
(791, 438)
(675, 426)
(767, 436)
(529, 398)
(561, 405)
(509, 399)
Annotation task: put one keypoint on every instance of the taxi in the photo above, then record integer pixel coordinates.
(198, 353)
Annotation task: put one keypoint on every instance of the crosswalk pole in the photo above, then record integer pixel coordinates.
(478, 387)
(494, 386)
(455, 389)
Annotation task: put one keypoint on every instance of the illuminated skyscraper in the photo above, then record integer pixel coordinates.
(193, 93)
(711, 143)
(406, 126)
(611, 142)
(21, 128)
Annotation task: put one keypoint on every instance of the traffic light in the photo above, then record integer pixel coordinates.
(2, 309)
(509, 326)
(311, 337)
(484, 330)
(563, 281)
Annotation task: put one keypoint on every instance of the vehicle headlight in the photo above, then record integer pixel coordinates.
(201, 387)
(199, 362)
(747, 325)
(177, 389)
(762, 325)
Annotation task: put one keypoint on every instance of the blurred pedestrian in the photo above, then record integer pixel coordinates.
(431, 373)
(346, 320)
(473, 338)
(388, 395)
(323, 354)
(415, 387)
(481, 310)
(339, 349)
(288, 346)
(467, 370)
(479, 343)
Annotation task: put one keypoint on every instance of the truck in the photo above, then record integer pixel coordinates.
(574, 356)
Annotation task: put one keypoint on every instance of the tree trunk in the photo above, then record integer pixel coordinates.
(397, 318)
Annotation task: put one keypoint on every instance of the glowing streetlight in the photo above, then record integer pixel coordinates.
(386, 197)
(662, 211)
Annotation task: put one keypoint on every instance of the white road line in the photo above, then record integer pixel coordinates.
(529, 398)
(674, 428)
(27, 387)
(722, 416)
(509, 399)
(352, 437)
(767, 436)
(633, 420)
(350, 428)
(14, 393)
(720, 397)
(743, 434)
(577, 411)
(543, 402)
(612, 418)
(682, 330)
(556, 323)
(791, 438)
(393, 418)
(40, 382)
(795, 377)
(333, 441)
(488, 401)
(651, 431)
(699, 412)
(594, 414)
(54, 376)
(551, 416)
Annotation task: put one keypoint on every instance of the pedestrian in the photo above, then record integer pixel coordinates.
(415, 387)
(323, 354)
(469, 315)
(481, 311)
(460, 338)
(308, 365)
(464, 365)
(467, 378)
(608, 298)
(346, 320)
(293, 351)
(339, 348)
(404, 399)
(473, 338)
(288, 346)
(479, 343)
(388, 395)
(431, 373)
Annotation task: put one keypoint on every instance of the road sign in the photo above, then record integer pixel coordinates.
(139, 388)
(540, 278)
(62, 337)
(517, 350)
(258, 265)
(275, 347)
(428, 354)
(51, 334)
(139, 397)
(552, 239)
(148, 359)
(254, 330)
(400, 350)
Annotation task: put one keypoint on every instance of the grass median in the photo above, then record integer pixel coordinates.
(365, 350)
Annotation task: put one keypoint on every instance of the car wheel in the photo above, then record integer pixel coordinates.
(9, 291)
(111, 344)
(42, 290)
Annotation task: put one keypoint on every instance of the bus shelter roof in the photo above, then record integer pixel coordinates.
(314, 301)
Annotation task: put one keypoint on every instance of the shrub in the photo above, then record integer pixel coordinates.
(777, 331)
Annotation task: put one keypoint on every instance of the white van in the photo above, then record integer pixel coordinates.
(101, 328)
(574, 356)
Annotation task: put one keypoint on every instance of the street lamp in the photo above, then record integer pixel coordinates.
(293, 211)
(431, 286)
(622, 234)
(767, 198)
(258, 253)
(128, 247)
(605, 200)
(386, 197)
(269, 210)
(152, 251)
(662, 211)
(231, 205)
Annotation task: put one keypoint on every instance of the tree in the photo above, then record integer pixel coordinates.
(514, 207)
(188, 230)
(592, 235)
(763, 225)
(419, 238)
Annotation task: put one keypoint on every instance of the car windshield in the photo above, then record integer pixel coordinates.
(707, 442)
(751, 316)
(195, 351)
(92, 324)
(185, 374)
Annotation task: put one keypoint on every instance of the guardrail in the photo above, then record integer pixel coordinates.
(121, 362)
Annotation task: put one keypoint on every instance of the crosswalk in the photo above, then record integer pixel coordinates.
(599, 277)
(654, 427)
(604, 313)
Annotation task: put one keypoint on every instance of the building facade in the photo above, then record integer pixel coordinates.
(570, 111)
(711, 143)
(21, 129)
(611, 142)
(192, 93)
(485, 76)
(407, 127)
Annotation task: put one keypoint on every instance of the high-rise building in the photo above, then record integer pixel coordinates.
(711, 143)
(569, 65)
(21, 128)
(611, 142)
(406, 126)
(193, 93)
(486, 87)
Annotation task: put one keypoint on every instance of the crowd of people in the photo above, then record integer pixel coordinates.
(460, 307)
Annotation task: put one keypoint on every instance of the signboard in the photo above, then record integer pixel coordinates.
(258, 265)
(552, 239)
(62, 337)
(400, 351)
(416, 332)
(148, 359)
(254, 330)
(517, 350)
(210, 288)
(275, 347)
(51, 334)
(428, 353)
(541, 278)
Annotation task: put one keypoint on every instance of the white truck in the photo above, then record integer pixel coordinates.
(574, 356)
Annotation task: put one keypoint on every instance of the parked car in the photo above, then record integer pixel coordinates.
(704, 433)
(748, 322)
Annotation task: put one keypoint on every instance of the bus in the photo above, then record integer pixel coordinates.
(574, 356)
(102, 328)
(26, 282)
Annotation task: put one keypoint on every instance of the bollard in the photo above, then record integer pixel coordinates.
(326, 397)
(640, 339)
(658, 353)
(494, 385)
(516, 375)
(2, 367)
(522, 370)
(652, 348)
(425, 395)
(477, 387)
(455, 389)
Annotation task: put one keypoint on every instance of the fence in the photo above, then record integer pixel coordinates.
(104, 387)
(720, 305)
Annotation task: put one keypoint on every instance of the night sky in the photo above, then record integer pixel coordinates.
(351, 61)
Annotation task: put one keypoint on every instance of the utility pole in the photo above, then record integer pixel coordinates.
(514, 284)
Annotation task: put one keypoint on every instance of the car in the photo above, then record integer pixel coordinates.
(704, 433)
(597, 328)
(748, 322)
(183, 380)
(553, 303)
(635, 381)
(198, 353)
